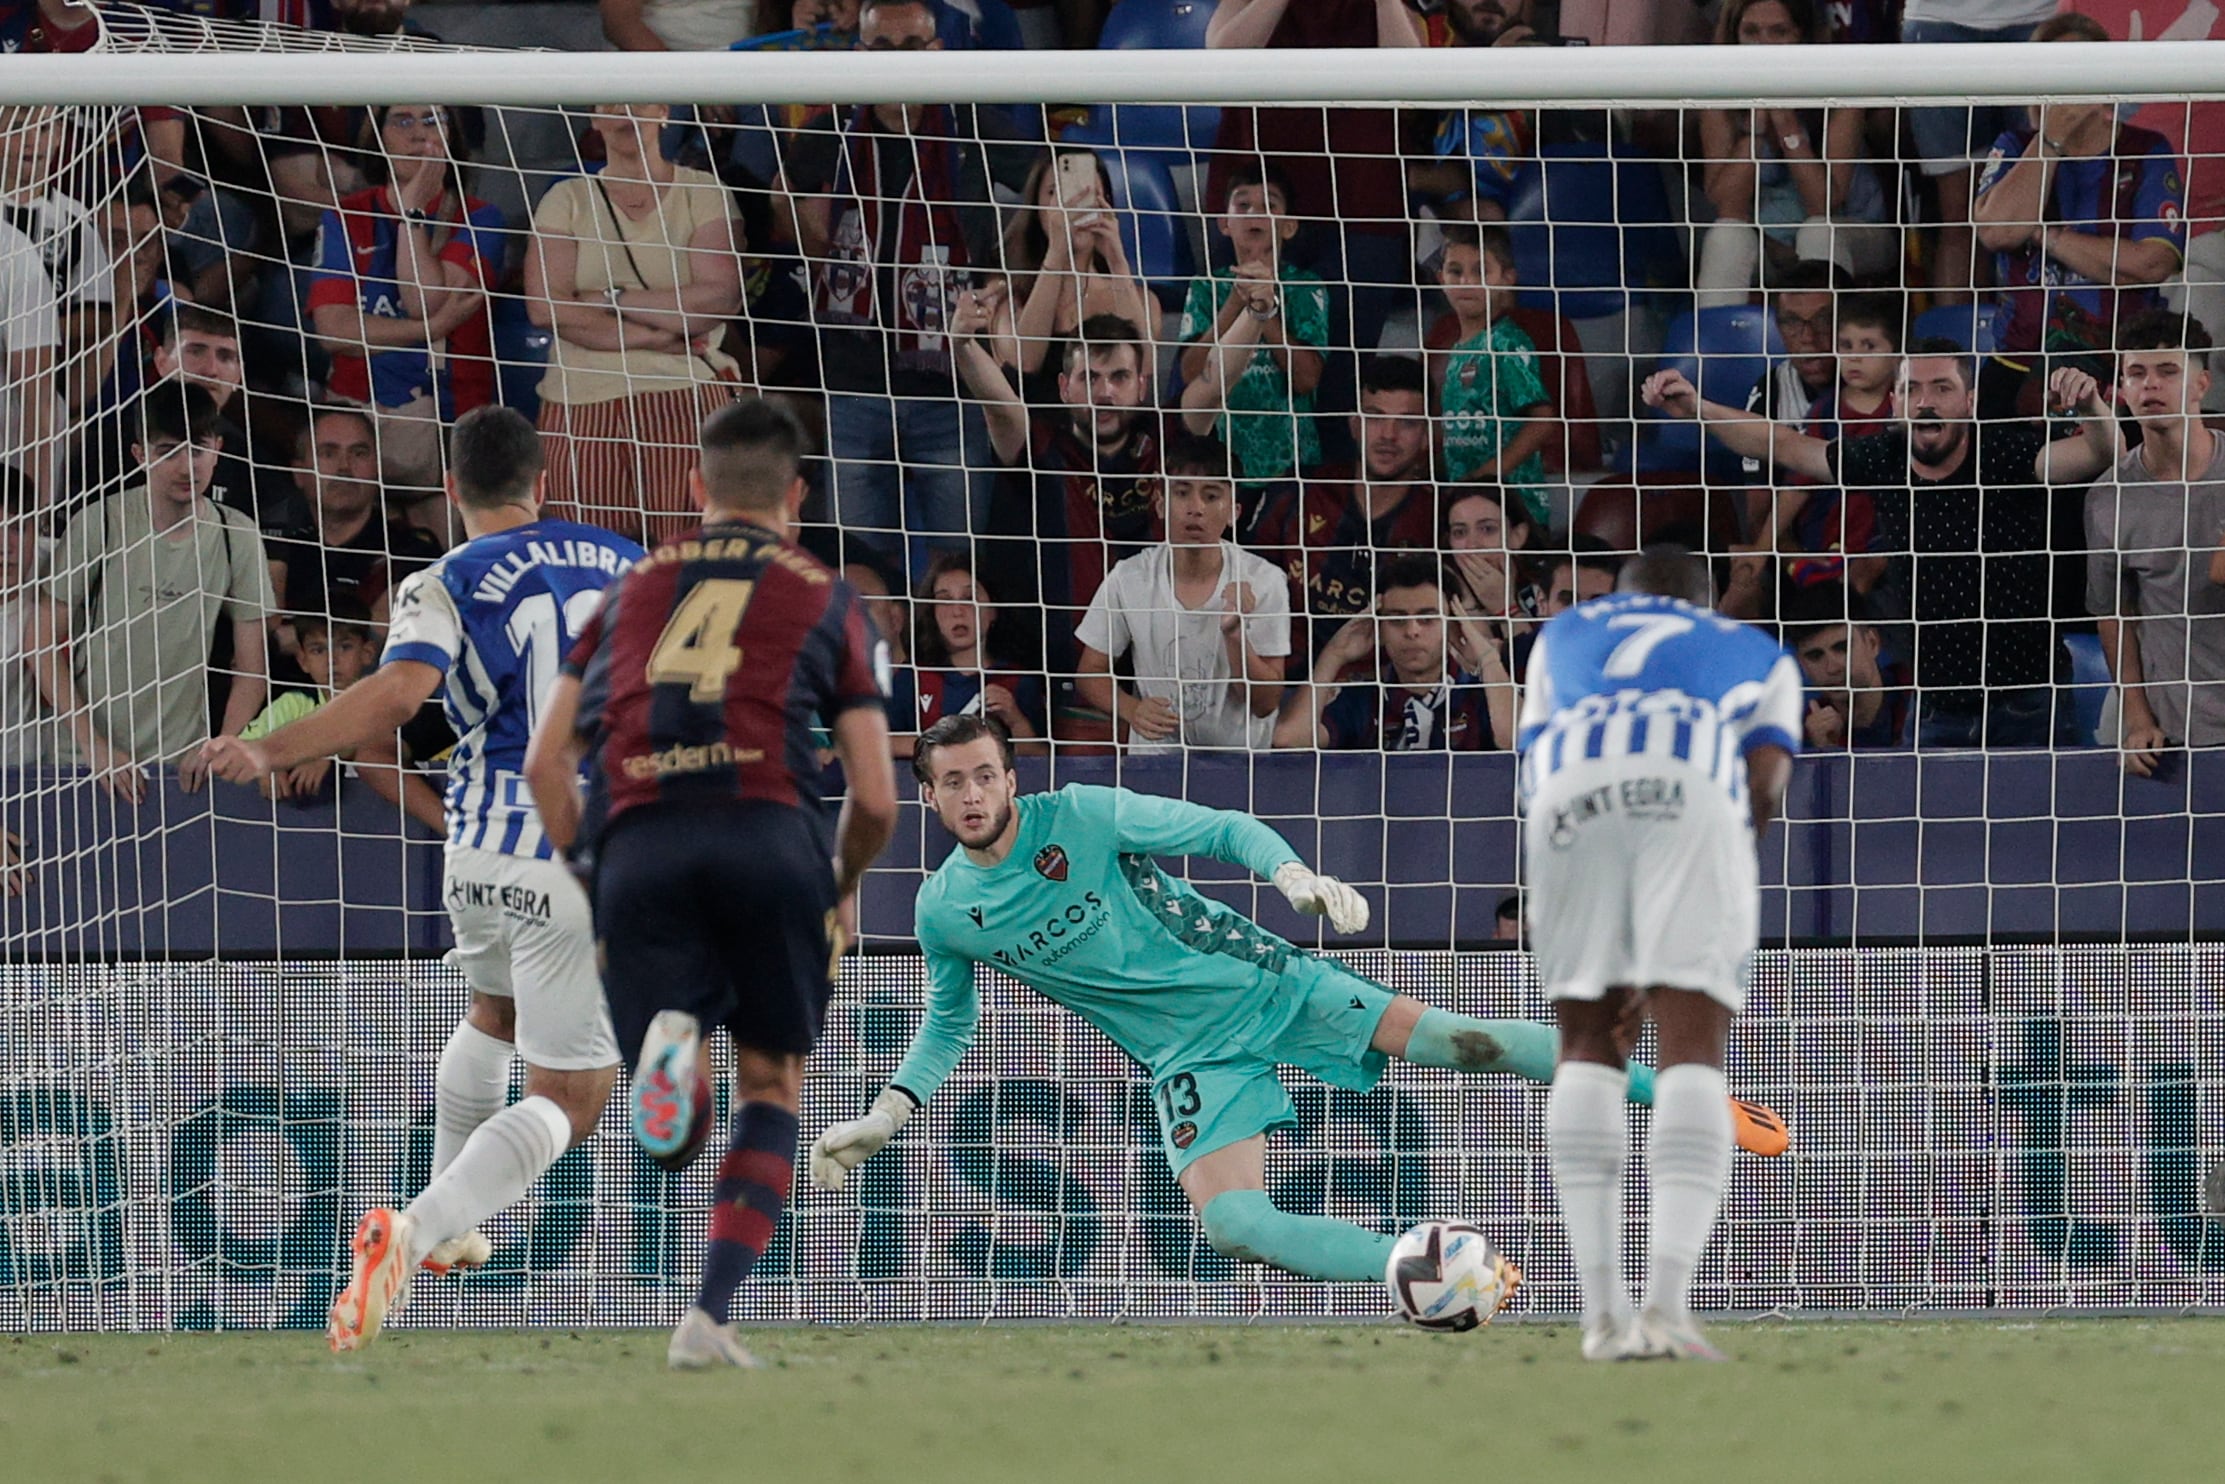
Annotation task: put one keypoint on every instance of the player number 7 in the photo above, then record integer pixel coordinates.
(1653, 630)
(697, 646)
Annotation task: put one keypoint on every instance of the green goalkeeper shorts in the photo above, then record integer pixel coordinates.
(1232, 1093)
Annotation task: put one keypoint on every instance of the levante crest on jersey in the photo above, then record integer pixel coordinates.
(1050, 862)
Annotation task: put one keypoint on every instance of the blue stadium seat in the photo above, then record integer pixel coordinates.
(2090, 684)
(1724, 351)
(1153, 25)
(1151, 222)
(1157, 25)
(1589, 230)
(1974, 327)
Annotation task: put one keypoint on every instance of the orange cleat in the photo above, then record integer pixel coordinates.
(381, 1278)
(1759, 1129)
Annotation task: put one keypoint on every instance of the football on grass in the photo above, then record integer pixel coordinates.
(1447, 1275)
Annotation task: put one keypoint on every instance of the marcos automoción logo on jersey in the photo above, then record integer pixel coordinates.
(1074, 925)
(1050, 862)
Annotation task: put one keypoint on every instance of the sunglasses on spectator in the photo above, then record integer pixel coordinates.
(432, 118)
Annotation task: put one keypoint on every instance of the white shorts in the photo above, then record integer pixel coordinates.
(1642, 873)
(524, 931)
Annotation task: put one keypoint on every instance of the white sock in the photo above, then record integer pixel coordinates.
(1587, 1125)
(498, 1165)
(468, 1089)
(1690, 1153)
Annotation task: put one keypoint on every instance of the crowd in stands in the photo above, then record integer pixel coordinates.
(1296, 454)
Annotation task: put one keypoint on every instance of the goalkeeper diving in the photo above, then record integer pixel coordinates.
(1062, 892)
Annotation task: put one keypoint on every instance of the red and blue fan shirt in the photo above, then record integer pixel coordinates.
(920, 697)
(2134, 193)
(707, 672)
(1452, 716)
(1327, 545)
(357, 251)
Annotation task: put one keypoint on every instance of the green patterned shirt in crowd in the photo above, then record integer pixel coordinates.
(1261, 433)
(1491, 379)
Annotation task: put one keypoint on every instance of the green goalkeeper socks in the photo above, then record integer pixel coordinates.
(1245, 1225)
(1529, 1050)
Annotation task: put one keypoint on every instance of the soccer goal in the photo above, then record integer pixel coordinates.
(1227, 433)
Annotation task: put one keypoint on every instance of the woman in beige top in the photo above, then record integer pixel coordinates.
(637, 271)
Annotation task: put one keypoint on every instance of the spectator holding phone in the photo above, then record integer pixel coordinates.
(1064, 243)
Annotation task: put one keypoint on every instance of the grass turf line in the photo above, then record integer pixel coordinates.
(1962, 1400)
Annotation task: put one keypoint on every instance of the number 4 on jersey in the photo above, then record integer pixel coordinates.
(697, 647)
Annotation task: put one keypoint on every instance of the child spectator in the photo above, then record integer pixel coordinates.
(337, 650)
(1858, 696)
(1496, 415)
(954, 672)
(1828, 534)
(1206, 625)
(1869, 343)
(1438, 684)
(1254, 334)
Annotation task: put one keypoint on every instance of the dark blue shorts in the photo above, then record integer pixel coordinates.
(725, 911)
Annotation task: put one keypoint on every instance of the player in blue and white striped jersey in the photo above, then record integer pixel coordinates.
(486, 627)
(1657, 738)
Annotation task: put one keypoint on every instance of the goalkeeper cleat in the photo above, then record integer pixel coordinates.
(1663, 1338)
(667, 1087)
(701, 1343)
(380, 1279)
(1759, 1129)
(471, 1250)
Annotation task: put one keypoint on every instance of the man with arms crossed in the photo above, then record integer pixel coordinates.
(1657, 738)
(486, 626)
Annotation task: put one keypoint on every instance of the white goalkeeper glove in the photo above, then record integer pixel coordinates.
(844, 1146)
(1321, 896)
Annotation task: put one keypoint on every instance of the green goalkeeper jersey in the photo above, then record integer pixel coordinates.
(1081, 913)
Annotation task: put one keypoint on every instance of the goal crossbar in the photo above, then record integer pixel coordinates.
(1593, 76)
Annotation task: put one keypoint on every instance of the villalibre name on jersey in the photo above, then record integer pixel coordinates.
(495, 583)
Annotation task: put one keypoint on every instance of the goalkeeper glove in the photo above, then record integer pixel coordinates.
(1321, 896)
(844, 1146)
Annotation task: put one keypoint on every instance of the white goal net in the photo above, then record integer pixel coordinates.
(1227, 443)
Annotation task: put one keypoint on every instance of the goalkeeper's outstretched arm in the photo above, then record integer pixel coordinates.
(953, 1010)
(1150, 825)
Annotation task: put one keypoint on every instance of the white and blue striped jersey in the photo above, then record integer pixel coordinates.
(1633, 675)
(496, 617)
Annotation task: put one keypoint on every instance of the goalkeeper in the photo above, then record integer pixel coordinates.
(1060, 891)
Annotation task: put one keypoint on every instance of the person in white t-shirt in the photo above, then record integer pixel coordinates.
(30, 333)
(1206, 624)
(71, 245)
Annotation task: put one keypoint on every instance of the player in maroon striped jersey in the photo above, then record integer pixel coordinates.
(693, 696)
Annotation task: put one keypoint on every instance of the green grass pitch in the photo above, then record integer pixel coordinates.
(1963, 1400)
